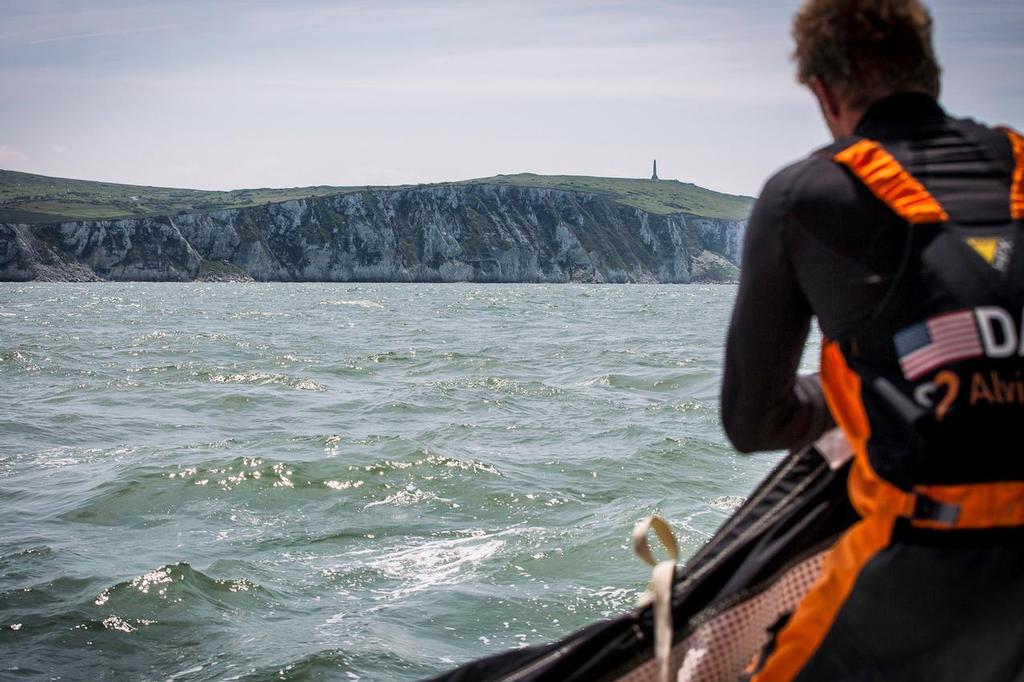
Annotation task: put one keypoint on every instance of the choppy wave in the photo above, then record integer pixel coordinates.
(342, 481)
(261, 379)
(356, 303)
(175, 584)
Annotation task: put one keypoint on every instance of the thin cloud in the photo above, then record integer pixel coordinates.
(107, 33)
(205, 92)
(11, 157)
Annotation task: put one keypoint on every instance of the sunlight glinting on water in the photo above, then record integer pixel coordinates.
(372, 481)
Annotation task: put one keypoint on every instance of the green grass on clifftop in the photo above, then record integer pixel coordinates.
(28, 198)
(653, 196)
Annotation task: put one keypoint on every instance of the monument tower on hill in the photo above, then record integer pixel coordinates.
(654, 176)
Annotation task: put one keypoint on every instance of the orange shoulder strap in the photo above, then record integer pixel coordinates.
(1017, 184)
(890, 182)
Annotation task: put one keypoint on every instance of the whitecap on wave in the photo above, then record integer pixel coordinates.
(429, 563)
(265, 378)
(357, 303)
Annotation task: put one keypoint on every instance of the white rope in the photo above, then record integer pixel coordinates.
(660, 590)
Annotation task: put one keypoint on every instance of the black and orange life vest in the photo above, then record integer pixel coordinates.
(930, 391)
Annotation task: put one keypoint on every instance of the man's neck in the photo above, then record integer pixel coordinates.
(845, 123)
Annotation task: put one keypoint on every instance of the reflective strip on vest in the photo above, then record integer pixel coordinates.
(891, 183)
(1017, 184)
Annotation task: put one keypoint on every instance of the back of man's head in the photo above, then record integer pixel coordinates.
(866, 49)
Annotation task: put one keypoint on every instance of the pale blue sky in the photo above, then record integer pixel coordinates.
(221, 95)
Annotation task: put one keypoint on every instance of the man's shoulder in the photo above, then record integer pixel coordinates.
(994, 139)
(812, 181)
(978, 129)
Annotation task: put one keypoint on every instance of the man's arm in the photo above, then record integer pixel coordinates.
(764, 405)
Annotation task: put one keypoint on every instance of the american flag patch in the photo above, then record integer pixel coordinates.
(938, 341)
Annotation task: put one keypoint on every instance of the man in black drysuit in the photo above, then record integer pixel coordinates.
(903, 239)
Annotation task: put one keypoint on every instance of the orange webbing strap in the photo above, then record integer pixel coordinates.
(978, 505)
(1017, 184)
(890, 182)
(842, 389)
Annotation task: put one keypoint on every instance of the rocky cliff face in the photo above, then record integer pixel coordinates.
(471, 232)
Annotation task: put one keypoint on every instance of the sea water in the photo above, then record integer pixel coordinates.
(343, 481)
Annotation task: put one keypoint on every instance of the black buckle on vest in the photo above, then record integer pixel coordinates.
(927, 509)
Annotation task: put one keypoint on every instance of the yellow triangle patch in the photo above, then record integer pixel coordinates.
(985, 246)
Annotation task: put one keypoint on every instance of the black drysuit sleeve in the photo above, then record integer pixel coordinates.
(764, 404)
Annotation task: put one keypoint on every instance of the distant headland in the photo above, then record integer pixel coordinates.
(506, 228)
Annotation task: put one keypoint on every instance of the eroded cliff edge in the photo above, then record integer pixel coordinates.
(444, 233)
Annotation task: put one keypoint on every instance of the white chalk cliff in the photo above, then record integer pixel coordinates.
(476, 232)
